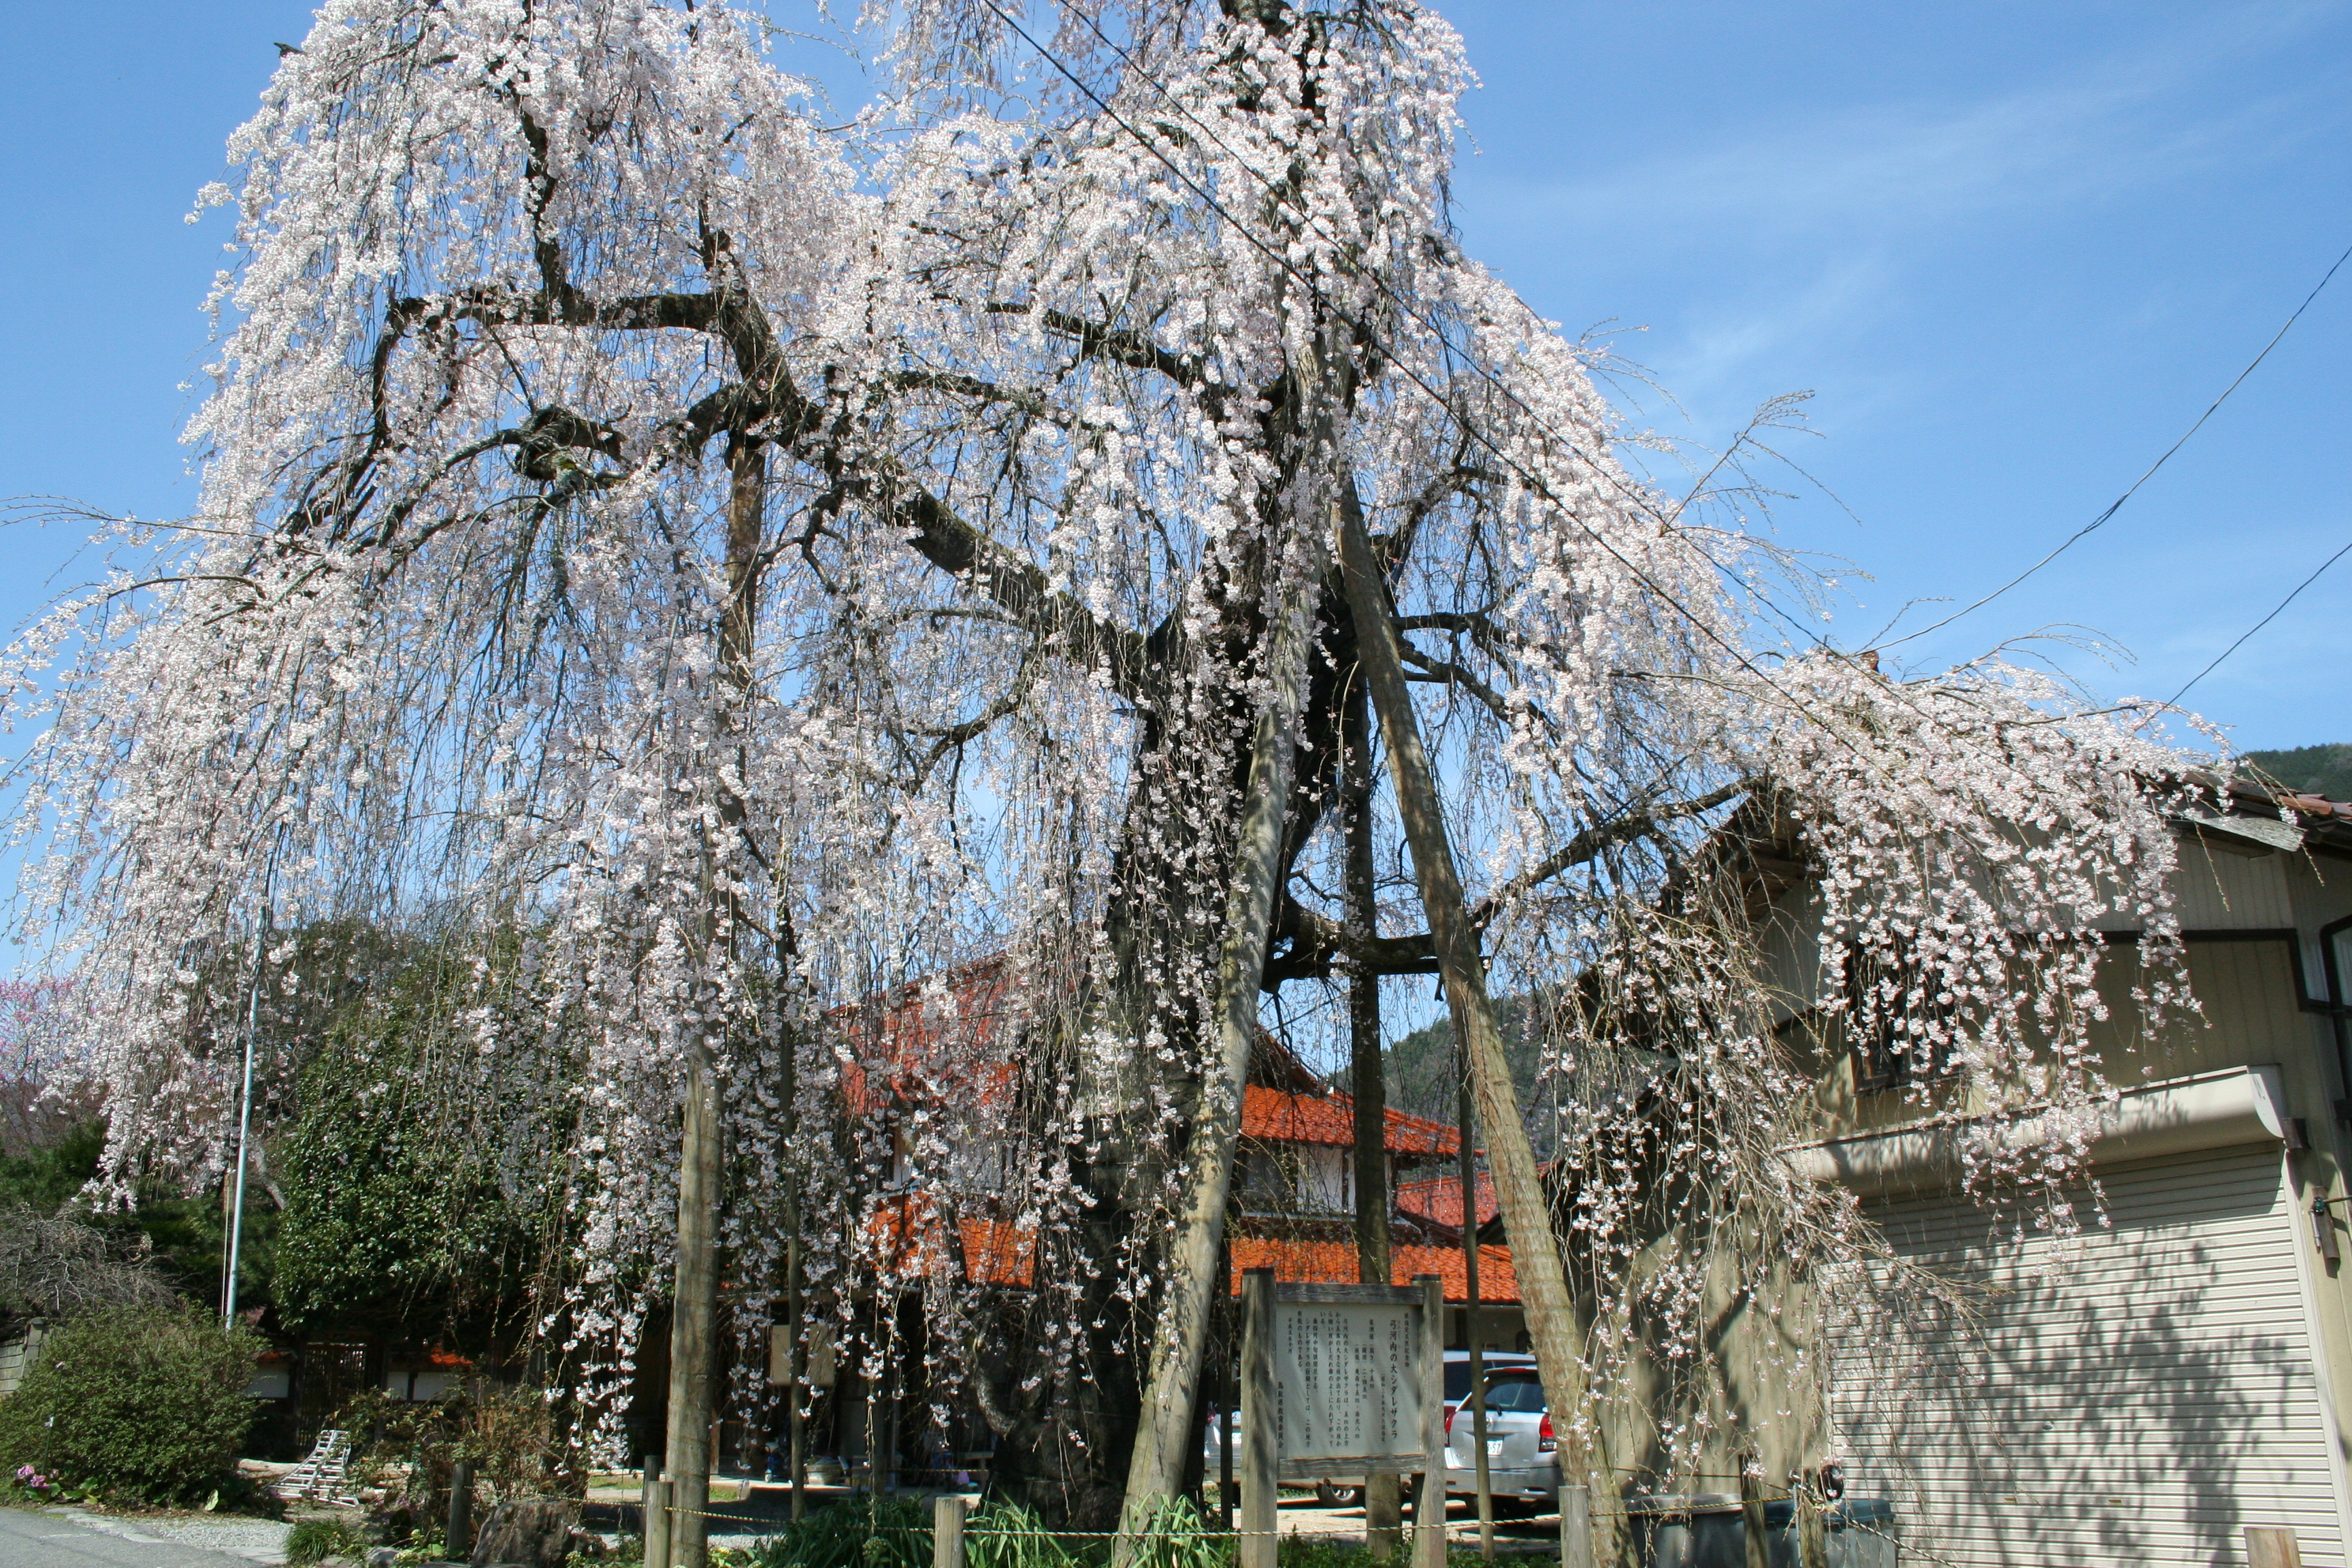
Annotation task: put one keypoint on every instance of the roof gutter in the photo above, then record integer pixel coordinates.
(2211, 1110)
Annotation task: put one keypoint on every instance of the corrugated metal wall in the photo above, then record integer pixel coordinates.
(2138, 1393)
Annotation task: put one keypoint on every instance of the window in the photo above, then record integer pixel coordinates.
(1519, 1394)
(1898, 1028)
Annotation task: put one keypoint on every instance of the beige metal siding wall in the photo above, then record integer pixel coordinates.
(2137, 1394)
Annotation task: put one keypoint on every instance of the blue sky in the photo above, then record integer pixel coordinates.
(2013, 250)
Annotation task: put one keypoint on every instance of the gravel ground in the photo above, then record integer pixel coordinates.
(257, 1540)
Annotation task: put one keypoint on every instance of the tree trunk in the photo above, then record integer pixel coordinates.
(1156, 1465)
(1526, 1215)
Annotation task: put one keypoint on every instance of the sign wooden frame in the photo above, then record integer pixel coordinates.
(1263, 1468)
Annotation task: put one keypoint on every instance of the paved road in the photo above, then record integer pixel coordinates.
(68, 1538)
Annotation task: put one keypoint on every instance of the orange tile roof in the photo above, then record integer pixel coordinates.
(947, 1034)
(1334, 1263)
(1438, 1199)
(1279, 1116)
(997, 1252)
(906, 1228)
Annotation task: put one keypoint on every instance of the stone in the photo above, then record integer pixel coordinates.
(528, 1534)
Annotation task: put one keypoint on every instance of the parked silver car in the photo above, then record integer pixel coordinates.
(1522, 1449)
(1348, 1490)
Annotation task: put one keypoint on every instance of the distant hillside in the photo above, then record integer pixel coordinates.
(1420, 1069)
(2314, 770)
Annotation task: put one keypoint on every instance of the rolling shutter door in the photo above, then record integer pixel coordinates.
(2137, 1393)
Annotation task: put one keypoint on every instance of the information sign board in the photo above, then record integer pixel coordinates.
(1347, 1384)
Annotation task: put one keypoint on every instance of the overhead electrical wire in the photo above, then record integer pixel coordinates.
(2278, 610)
(1535, 482)
(2115, 505)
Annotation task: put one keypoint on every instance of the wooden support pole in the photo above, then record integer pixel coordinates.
(1576, 1526)
(1429, 1507)
(2268, 1546)
(458, 1541)
(658, 1517)
(1367, 1081)
(1751, 1515)
(694, 1322)
(1227, 1398)
(948, 1515)
(1812, 1529)
(1259, 1501)
(1526, 1214)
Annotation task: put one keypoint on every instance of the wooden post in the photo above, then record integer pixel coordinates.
(948, 1515)
(1812, 1529)
(1367, 1081)
(1429, 1507)
(1751, 1510)
(694, 1318)
(1575, 1526)
(2268, 1546)
(1470, 1324)
(458, 1541)
(656, 1518)
(1226, 1431)
(1259, 1518)
(1527, 1211)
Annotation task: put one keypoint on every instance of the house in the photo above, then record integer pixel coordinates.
(2181, 1369)
(923, 1050)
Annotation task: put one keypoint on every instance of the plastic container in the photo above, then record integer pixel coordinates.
(1706, 1529)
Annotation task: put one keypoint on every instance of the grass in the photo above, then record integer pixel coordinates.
(895, 1533)
(314, 1540)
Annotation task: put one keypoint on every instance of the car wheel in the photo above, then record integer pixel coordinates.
(1330, 1496)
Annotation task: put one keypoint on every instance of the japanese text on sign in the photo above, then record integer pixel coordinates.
(1347, 1382)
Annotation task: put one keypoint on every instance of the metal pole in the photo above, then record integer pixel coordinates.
(796, 1369)
(1470, 1324)
(245, 1106)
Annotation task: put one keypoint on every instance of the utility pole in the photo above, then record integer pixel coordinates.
(1384, 1489)
(1470, 1316)
(245, 1099)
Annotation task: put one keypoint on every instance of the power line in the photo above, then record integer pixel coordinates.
(2258, 626)
(2116, 505)
(1533, 480)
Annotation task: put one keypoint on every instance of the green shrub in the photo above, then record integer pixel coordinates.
(147, 1401)
(315, 1540)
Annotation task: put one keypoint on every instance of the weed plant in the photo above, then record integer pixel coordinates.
(315, 1540)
